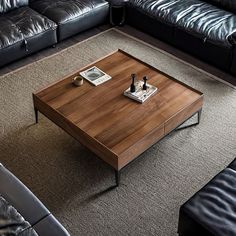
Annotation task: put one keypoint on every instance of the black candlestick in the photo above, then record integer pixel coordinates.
(132, 86)
(145, 78)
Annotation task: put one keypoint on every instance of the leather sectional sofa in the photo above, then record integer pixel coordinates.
(27, 26)
(21, 212)
(212, 210)
(206, 29)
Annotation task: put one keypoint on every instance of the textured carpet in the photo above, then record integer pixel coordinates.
(75, 185)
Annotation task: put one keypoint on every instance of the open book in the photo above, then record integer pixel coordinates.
(95, 76)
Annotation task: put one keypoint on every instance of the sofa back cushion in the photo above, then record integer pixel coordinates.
(229, 5)
(8, 5)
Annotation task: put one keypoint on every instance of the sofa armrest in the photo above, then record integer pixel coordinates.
(19, 196)
(50, 226)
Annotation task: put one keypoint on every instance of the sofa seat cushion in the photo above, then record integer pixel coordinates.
(22, 32)
(22, 24)
(7, 5)
(212, 24)
(198, 18)
(76, 15)
(12, 223)
(214, 206)
(65, 10)
(166, 10)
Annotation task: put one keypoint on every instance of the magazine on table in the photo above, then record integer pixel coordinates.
(141, 95)
(95, 76)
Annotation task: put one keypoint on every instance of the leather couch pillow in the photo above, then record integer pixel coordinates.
(8, 5)
(229, 5)
(12, 223)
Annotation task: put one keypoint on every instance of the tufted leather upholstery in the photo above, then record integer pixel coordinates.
(19, 29)
(73, 16)
(212, 210)
(7, 5)
(24, 31)
(197, 18)
(195, 26)
(22, 23)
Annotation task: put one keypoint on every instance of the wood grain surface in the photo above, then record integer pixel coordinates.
(111, 125)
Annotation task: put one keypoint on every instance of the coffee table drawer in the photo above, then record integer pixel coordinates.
(139, 147)
(183, 115)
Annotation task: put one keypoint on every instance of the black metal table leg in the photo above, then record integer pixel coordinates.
(36, 115)
(117, 175)
(187, 126)
(199, 115)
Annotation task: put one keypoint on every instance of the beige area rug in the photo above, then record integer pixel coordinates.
(74, 184)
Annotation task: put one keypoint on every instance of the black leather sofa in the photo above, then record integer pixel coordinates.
(23, 30)
(27, 26)
(72, 16)
(212, 210)
(17, 201)
(206, 29)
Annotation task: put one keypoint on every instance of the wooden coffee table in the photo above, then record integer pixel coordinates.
(114, 127)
